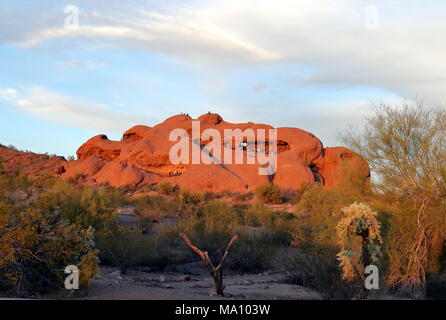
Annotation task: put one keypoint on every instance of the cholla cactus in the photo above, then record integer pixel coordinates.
(359, 220)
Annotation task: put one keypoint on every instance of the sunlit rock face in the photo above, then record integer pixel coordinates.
(142, 157)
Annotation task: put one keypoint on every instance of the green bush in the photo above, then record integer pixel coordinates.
(165, 187)
(80, 205)
(52, 228)
(186, 196)
(317, 268)
(126, 249)
(36, 247)
(269, 193)
(254, 251)
(153, 205)
(315, 199)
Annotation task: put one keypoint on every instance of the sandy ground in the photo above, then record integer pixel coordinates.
(136, 284)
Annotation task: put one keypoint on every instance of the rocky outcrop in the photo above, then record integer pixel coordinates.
(340, 165)
(30, 163)
(142, 156)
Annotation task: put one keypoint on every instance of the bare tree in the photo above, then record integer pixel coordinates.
(215, 271)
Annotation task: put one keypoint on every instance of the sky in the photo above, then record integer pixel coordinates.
(70, 70)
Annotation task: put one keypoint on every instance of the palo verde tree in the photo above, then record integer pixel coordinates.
(405, 146)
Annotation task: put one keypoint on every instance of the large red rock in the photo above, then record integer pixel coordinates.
(32, 164)
(340, 165)
(142, 156)
(87, 167)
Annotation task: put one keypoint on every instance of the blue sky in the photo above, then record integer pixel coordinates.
(318, 65)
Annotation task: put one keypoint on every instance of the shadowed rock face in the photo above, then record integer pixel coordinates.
(142, 156)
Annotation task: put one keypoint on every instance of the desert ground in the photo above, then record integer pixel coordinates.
(193, 283)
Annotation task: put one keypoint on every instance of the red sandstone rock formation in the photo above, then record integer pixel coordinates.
(142, 156)
(30, 163)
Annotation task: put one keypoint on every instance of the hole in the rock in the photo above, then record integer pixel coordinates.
(346, 155)
(131, 137)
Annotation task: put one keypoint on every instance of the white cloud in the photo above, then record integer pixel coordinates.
(404, 55)
(62, 109)
(84, 64)
(8, 94)
(178, 34)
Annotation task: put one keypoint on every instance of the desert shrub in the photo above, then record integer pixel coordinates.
(318, 212)
(128, 189)
(55, 226)
(36, 246)
(255, 250)
(165, 187)
(10, 182)
(80, 205)
(269, 193)
(149, 205)
(187, 198)
(316, 229)
(281, 224)
(77, 179)
(408, 232)
(126, 249)
(227, 193)
(244, 196)
(316, 267)
(217, 215)
(315, 199)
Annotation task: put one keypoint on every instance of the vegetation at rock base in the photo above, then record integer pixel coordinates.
(269, 193)
(47, 224)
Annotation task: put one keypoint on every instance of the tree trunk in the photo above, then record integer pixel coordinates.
(366, 261)
(215, 271)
